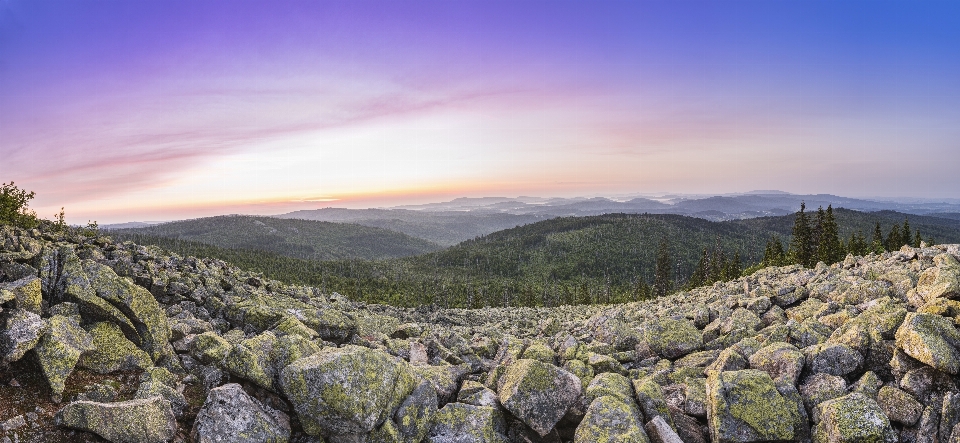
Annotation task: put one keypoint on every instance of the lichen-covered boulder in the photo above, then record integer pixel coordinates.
(611, 384)
(59, 350)
(475, 393)
(899, 406)
(26, 293)
(660, 432)
(782, 361)
(137, 304)
(251, 359)
(818, 388)
(112, 351)
(445, 379)
(412, 420)
(833, 359)
(650, 398)
(134, 421)
(610, 419)
(932, 340)
(463, 423)
(672, 338)
(231, 415)
(346, 391)
(210, 348)
(853, 418)
(745, 406)
(540, 352)
(942, 280)
(22, 331)
(538, 394)
(331, 324)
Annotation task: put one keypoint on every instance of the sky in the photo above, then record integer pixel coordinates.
(159, 110)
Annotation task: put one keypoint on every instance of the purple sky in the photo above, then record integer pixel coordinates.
(155, 110)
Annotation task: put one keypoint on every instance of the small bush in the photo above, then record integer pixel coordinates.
(13, 207)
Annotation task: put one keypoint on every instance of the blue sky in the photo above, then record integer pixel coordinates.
(124, 110)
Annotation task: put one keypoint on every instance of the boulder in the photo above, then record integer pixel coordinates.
(782, 361)
(210, 348)
(475, 393)
(463, 423)
(137, 304)
(230, 414)
(21, 333)
(134, 421)
(899, 406)
(538, 394)
(940, 281)
(932, 340)
(26, 293)
(660, 432)
(59, 350)
(745, 406)
(651, 400)
(112, 351)
(672, 338)
(820, 387)
(853, 418)
(412, 420)
(346, 391)
(251, 360)
(610, 384)
(611, 419)
(833, 359)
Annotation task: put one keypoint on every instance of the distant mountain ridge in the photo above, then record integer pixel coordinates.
(306, 239)
(461, 219)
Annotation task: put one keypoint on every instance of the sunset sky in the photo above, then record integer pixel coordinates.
(159, 110)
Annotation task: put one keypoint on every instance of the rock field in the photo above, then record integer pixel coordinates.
(102, 341)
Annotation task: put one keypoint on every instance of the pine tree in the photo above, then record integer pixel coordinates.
(877, 244)
(800, 251)
(701, 273)
(816, 234)
(829, 247)
(905, 238)
(735, 268)
(894, 240)
(917, 239)
(663, 276)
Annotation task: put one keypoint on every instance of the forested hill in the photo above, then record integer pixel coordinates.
(938, 229)
(567, 260)
(305, 239)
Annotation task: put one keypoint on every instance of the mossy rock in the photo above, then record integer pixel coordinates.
(941, 281)
(332, 324)
(651, 400)
(346, 391)
(412, 419)
(21, 333)
(610, 419)
(853, 418)
(672, 338)
(782, 361)
(833, 359)
(538, 394)
(112, 351)
(135, 421)
(59, 350)
(475, 393)
(231, 414)
(899, 406)
(251, 360)
(463, 423)
(137, 304)
(540, 352)
(745, 406)
(26, 292)
(210, 348)
(291, 326)
(932, 340)
(610, 384)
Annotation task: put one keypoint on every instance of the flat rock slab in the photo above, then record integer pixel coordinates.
(134, 421)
